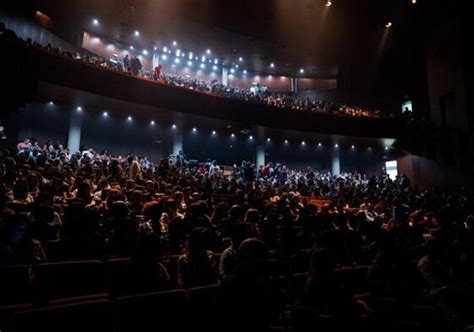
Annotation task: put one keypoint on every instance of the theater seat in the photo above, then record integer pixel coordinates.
(116, 274)
(78, 317)
(203, 305)
(68, 279)
(165, 311)
(14, 284)
(6, 315)
(298, 288)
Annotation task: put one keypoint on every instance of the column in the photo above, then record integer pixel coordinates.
(294, 84)
(225, 75)
(260, 158)
(336, 161)
(74, 137)
(177, 143)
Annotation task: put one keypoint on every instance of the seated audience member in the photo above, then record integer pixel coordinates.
(246, 297)
(197, 266)
(146, 271)
(328, 296)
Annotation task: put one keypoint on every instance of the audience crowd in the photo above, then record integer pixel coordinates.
(224, 227)
(258, 94)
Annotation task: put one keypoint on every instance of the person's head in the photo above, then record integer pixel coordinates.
(198, 241)
(20, 189)
(321, 264)
(251, 257)
(153, 210)
(119, 210)
(84, 190)
(148, 248)
(252, 216)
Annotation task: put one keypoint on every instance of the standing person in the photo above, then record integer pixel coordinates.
(157, 73)
(126, 62)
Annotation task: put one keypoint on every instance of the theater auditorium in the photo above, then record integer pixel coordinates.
(210, 165)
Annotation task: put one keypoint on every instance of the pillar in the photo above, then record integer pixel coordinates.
(225, 75)
(74, 137)
(260, 158)
(335, 161)
(177, 143)
(294, 84)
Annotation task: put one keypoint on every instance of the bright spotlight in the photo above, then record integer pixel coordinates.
(129, 118)
(190, 63)
(232, 70)
(137, 33)
(319, 144)
(286, 141)
(301, 70)
(214, 67)
(251, 137)
(386, 148)
(202, 66)
(51, 102)
(194, 129)
(145, 52)
(79, 108)
(352, 147)
(241, 59)
(272, 65)
(175, 43)
(232, 135)
(388, 24)
(268, 139)
(203, 58)
(328, 3)
(303, 143)
(131, 47)
(95, 21)
(164, 57)
(173, 126)
(213, 132)
(216, 61)
(155, 48)
(245, 71)
(190, 55)
(208, 51)
(152, 122)
(178, 52)
(336, 145)
(177, 60)
(105, 114)
(165, 49)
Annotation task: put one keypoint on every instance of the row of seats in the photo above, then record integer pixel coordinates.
(175, 309)
(44, 282)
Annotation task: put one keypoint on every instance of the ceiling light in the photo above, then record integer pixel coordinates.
(328, 3)
(301, 70)
(208, 51)
(272, 65)
(202, 65)
(214, 67)
(95, 21)
(176, 60)
(145, 52)
(105, 114)
(190, 63)
(388, 24)
(241, 59)
(175, 43)
(137, 33)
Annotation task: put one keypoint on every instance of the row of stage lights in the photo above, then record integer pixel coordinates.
(214, 132)
(167, 52)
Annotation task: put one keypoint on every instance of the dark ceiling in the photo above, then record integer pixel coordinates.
(292, 34)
